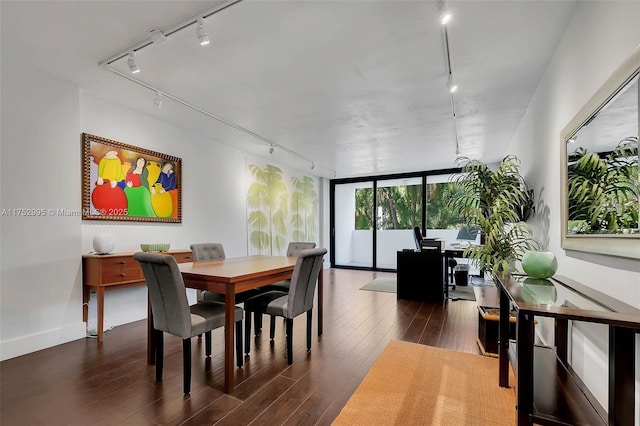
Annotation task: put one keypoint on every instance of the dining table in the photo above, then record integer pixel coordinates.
(230, 277)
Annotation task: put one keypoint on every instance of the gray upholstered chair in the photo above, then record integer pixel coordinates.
(207, 251)
(172, 313)
(211, 251)
(294, 249)
(289, 305)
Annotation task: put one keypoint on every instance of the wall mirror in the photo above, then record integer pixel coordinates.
(600, 183)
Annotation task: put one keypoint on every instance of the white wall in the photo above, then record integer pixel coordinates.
(41, 288)
(40, 278)
(598, 39)
(213, 199)
(41, 271)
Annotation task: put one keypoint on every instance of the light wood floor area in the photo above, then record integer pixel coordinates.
(82, 383)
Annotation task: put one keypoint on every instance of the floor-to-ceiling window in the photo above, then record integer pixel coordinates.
(398, 211)
(372, 218)
(352, 225)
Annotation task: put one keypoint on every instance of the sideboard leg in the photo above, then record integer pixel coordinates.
(503, 341)
(524, 386)
(622, 346)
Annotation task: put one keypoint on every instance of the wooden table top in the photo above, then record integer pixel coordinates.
(237, 268)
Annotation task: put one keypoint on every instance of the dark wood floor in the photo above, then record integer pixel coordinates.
(82, 383)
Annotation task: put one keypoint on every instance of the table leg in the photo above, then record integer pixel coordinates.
(229, 327)
(86, 291)
(100, 312)
(320, 301)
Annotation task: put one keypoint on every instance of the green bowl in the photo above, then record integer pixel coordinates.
(539, 264)
(155, 247)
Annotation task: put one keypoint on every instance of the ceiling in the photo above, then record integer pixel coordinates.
(356, 87)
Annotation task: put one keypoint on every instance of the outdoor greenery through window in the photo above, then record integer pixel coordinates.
(400, 207)
(439, 214)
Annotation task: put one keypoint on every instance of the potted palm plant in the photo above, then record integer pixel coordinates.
(493, 201)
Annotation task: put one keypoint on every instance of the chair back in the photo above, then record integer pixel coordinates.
(207, 251)
(303, 281)
(295, 248)
(167, 293)
(417, 236)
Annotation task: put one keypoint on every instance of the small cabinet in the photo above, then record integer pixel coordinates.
(109, 271)
(420, 276)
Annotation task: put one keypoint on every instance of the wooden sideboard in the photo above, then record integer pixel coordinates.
(101, 272)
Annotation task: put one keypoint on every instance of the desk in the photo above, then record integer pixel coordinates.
(419, 275)
(101, 272)
(229, 277)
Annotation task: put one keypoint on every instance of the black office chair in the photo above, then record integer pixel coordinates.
(452, 266)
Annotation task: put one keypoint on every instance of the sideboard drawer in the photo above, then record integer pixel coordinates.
(115, 275)
(119, 268)
(120, 262)
(183, 257)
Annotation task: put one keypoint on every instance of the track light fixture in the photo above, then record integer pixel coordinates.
(133, 67)
(157, 37)
(451, 85)
(313, 165)
(201, 33)
(445, 14)
(445, 17)
(158, 101)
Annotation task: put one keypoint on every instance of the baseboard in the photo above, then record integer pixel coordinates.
(34, 342)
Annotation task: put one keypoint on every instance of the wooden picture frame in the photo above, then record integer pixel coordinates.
(118, 185)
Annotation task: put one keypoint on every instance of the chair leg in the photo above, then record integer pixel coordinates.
(309, 320)
(186, 365)
(207, 343)
(247, 333)
(159, 354)
(289, 340)
(257, 322)
(272, 327)
(239, 354)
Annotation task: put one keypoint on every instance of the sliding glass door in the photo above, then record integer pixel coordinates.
(353, 225)
(398, 211)
(373, 218)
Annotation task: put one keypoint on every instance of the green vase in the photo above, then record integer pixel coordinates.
(539, 264)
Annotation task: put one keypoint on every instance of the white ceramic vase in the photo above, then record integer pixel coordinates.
(104, 243)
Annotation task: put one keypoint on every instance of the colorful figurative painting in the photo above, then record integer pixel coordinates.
(281, 208)
(124, 182)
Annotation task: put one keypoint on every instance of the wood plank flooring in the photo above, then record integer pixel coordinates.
(81, 382)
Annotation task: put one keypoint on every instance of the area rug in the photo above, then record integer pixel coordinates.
(462, 293)
(386, 285)
(412, 384)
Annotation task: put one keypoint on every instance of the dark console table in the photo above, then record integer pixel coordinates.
(548, 391)
(420, 276)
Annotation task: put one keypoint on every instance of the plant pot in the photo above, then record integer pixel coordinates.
(539, 264)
